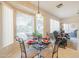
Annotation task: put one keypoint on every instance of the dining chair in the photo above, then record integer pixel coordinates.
(23, 49)
(27, 52)
(55, 50)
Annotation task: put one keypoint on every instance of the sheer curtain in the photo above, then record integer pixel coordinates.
(7, 16)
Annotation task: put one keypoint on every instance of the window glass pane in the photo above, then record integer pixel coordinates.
(71, 29)
(66, 28)
(24, 25)
(39, 24)
(54, 25)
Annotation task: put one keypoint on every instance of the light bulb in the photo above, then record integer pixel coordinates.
(38, 15)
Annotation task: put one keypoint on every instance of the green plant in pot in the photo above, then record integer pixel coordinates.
(36, 34)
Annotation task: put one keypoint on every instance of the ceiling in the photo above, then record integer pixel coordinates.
(69, 8)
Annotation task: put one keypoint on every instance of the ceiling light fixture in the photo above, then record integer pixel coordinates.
(38, 14)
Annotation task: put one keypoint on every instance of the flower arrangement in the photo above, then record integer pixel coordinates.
(30, 41)
(18, 39)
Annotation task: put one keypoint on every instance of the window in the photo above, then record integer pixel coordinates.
(71, 29)
(24, 25)
(54, 25)
(7, 25)
(68, 28)
(39, 24)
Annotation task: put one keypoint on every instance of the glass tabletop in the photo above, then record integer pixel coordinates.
(40, 46)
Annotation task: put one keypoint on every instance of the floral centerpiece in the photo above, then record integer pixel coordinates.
(19, 39)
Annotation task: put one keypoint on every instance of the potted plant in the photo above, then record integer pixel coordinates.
(36, 34)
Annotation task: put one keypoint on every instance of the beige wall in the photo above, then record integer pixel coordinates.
(0, 25)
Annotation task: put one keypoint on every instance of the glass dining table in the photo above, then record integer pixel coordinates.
(39, 45)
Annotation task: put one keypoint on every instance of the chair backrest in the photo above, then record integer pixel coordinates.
(23, 50)
(55, 34)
